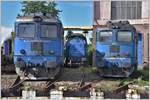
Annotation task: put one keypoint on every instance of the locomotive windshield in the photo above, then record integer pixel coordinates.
(48, 31)
(26, 30)
(124, 36)
(105, 36)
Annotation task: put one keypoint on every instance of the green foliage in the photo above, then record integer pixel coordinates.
(69, 34)
(90, 51)
(51, 8)
(90, 69)
(32, 6)
(3, 59)
(138, 81)
(144, 74)
(141, 78)
(12, 38)
(29, 7)
(141, 81)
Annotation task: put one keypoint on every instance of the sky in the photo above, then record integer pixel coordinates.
(74, 13)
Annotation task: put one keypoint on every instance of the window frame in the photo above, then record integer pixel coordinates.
(118, 7)
(49, 24)
(124, 41)
(18, 30)
(99, 35)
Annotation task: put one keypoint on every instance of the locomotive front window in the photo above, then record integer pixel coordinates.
(105, 36)
(124, 36)
(48, 31)
(26, 30)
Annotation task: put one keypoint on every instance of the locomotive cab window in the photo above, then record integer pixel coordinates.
(48, 31)
(26, 30)
(124, 36)
(105, 36)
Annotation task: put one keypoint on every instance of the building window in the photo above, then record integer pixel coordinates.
(126, 10)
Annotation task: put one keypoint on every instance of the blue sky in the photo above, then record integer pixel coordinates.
(74, 13)
(9, 11)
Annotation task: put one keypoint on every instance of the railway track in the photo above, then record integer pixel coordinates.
(8, 69)
(17, 84)
(79, 88)
(18, 81)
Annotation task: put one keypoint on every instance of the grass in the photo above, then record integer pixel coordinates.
(144, 74)
(140, 77)
(89, 69)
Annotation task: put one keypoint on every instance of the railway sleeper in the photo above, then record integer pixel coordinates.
(53, 93)
(11, 92)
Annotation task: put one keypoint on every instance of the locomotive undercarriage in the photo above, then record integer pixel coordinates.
(76, 64)
(115, 71)
(37, 72)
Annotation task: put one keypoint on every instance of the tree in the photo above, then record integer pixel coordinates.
(51, 8)
(33, 7)
(69, 34)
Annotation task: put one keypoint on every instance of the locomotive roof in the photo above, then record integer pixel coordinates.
(125, 25)
(122, 25)
(76, 35)
(31, 18)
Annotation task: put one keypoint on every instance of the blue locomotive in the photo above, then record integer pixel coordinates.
(7, 52)
(76, 50)
(38, 47)
(116, 49)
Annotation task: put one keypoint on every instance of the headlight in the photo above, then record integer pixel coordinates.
(51, 52)
(22, 51)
